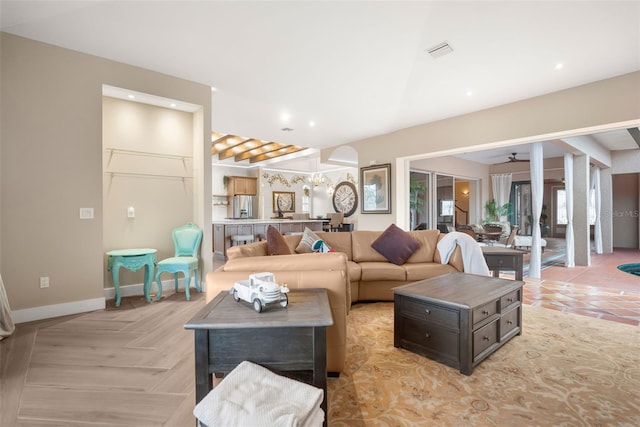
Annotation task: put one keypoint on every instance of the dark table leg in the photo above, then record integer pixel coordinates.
(519, 267)
(320, 366)
(204, 381)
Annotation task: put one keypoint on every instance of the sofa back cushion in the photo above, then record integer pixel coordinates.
(361, 246)
(396, 245)
(250, 250)
(340, 242)
(428, 242)
(260, 248)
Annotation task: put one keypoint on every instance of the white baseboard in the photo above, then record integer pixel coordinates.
(75, 307)
(57, 310)
(138, 288)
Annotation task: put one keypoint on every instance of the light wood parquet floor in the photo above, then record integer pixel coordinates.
(131, 366)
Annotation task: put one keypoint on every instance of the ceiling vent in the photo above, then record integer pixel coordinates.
(439, 50)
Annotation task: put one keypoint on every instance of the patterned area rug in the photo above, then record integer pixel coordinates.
(564, 370)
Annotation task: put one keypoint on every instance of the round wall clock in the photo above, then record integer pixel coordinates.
(345, 198)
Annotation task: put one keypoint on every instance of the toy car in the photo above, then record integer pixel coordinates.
(260, 289)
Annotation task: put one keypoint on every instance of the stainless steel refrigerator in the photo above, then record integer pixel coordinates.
(244, 206)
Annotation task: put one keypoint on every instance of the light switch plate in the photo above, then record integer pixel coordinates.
(86, 213)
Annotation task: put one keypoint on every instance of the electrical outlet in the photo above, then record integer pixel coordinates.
(86, 213)
(44, 282)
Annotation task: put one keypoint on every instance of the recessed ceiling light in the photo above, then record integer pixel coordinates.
(173, 105)
(131, 97)
(559, 66)
(213, 89)
(312, 123)
(285, 117)
(469, 93)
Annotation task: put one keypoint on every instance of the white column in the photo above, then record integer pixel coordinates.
(537, 188)
(581, 210)
(568, 186)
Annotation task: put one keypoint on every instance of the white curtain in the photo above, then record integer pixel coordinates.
(537, 188)
(597, 230)
(570, 260)
(501, 186)
(6, 322)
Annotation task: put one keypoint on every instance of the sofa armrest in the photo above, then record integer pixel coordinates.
(455, 260)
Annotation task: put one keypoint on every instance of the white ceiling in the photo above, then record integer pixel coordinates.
(356, 69)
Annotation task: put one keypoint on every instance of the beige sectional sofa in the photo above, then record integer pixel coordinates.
(354, 272)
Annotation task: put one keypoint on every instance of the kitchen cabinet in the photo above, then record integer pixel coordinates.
(243, 185)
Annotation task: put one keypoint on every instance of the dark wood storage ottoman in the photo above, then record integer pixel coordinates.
(457, 319)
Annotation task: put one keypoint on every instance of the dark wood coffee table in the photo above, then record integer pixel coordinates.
(457, 319)
(290, 341)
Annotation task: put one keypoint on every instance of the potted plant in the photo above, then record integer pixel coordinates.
(495, 211)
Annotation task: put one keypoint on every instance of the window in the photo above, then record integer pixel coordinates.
(561, 207)
(446, 208)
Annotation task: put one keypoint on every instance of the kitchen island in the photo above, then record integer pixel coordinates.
(224, 229)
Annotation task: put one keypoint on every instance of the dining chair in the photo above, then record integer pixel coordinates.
(467, 230)
(510, 242)
(335, 221)
(326, 225)
(186, 241)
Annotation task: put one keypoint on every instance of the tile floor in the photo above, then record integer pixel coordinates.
(600, 290)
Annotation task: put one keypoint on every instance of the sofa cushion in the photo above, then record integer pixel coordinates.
(308, 238)
(340, 242)
(381, 270)
(427, 270)
(395, 245)
(428, 242)
(276, 245)
(361, 246)
(355, 271)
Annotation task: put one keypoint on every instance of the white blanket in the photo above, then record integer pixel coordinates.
(472, 259)
(253, 396)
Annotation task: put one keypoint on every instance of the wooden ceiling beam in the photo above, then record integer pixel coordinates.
(277, 153)
(263, 149)
(233, 149)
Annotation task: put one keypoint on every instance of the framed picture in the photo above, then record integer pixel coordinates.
(284, 201)
(375, 188)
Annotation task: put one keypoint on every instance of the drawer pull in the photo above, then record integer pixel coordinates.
(485, 338)
(485, 312)
(426, 310)
(509, 299)
(509, 322)
(427, 335)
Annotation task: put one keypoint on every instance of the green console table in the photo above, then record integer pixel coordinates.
(133, 260)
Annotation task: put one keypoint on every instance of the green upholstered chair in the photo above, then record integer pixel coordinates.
(186, 240)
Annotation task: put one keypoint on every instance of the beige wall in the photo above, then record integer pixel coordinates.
(625, 210)
(564, 113)
(148, 164)
(51, 121)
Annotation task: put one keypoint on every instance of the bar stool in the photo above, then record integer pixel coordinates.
(244, 238)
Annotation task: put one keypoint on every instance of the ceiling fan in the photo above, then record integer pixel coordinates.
(512, 159)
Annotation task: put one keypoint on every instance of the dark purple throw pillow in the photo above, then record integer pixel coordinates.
(395, 245)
